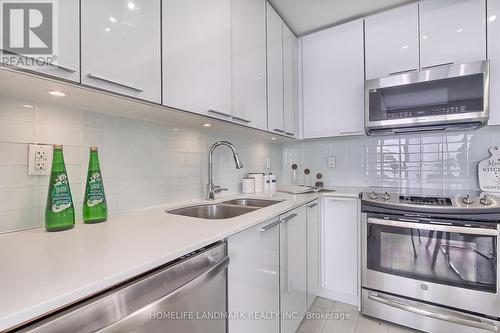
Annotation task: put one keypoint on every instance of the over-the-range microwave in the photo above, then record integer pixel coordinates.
(436, 99)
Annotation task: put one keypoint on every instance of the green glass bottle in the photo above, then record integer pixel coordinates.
(95, 208)
(59, 212)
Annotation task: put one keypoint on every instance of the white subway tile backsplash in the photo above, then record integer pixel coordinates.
(143, 163)
(431, 160)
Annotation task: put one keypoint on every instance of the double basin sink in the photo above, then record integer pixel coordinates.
(223, 210)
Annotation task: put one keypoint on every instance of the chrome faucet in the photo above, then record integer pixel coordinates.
(211, 188)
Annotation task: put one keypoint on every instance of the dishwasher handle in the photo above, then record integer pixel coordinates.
(134, 319)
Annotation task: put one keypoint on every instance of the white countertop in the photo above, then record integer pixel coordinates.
(42, 272)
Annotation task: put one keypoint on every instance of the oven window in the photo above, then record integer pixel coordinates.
(449, 258)
(456, 95)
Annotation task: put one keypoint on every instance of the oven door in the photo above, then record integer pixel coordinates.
(452, 264)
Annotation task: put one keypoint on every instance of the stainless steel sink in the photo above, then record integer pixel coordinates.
(213, 211)
(261, 203)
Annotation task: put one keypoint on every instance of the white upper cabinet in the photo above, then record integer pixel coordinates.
(275, 71)
(249, 105)
(290, 81)
(65, 56)
(121, 47)
(494, 57)
(391, 42)
(197, 56)
(333, 81)
(452, 32)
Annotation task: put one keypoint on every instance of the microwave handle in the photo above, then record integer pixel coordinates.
(435, 227)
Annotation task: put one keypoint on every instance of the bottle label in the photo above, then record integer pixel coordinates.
(61, 195)
(95, 190)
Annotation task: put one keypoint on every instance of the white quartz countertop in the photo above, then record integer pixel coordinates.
(42, 272)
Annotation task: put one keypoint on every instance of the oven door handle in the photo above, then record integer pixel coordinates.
(436, 227)
(449, 316)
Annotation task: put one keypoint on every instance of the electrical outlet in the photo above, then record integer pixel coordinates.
(39, 160)
(332, 162)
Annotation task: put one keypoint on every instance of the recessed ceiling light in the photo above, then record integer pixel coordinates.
(405, 47)
(112, 19)
(176, 129)
(460, 30)
(207, 125)
(492, 18)
(57, 93)
(131, 5)
(273, 139)
(27, 106)
(107, 29)
(424, 37)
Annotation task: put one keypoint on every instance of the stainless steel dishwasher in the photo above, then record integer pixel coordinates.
(188, 295)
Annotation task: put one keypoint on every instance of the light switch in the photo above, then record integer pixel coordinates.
(332, 162)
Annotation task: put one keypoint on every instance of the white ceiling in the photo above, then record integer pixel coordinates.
(304, 16)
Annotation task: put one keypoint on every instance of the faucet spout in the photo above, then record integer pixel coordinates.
(211, 188)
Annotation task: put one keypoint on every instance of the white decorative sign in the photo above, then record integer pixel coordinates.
(489, 172)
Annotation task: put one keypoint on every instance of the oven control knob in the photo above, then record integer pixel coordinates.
(485, 200)
(467, 200)
(386, 196)
(373, 195)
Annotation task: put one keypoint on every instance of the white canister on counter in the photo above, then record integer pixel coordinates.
(259, 181)
(272, 184)
(248, 185)
(267, 183)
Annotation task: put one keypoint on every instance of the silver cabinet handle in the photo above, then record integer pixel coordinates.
(404, 71)
(136, 317)
(438, 65)
(95, 77)
(242, 119)
(219, 113)
(449, 316)
(289, 133)
(313, 205)
(278, 130)
(288, 218)
(66, 69)
(63, 68)
(435, 227)
(269, 226)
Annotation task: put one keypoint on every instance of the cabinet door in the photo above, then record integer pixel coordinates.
(121, 47)
(253, 277)
(391, 42)
(333, 81)
(341, 249)
(290, 81)
(64, 61)
(197, 56)
(313, 252)
(494, 57)
(452, 32)
(249, 63)
(275, 71)
(293, 267)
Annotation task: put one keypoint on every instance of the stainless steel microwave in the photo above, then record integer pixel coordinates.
(435, 99)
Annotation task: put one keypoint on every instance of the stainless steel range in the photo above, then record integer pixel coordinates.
(430, 261)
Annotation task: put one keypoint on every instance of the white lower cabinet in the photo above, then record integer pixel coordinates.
(253, 277)
(293, 267)
(313, 252)
(340, 250)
